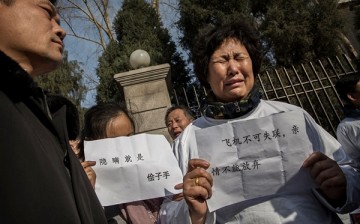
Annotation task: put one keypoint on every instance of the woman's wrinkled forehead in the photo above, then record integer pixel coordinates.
(229, 40)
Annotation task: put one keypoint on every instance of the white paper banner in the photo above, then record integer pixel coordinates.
(255, 158)
(133, 168)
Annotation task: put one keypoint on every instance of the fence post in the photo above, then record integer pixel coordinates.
(147, 97)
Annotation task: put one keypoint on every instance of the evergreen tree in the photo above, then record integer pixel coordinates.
(137, 26)
(197, 14)
(292, 31)
(111, 62)
(302, 30)
(357, 19)
(66, 80)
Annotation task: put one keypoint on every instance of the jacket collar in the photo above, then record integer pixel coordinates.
(18, 85)
(351, 111)
(16, 82)
(218, 110)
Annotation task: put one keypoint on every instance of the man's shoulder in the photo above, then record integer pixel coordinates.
(8, 106)
(348, 123)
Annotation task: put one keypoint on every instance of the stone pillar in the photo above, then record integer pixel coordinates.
(147, 97)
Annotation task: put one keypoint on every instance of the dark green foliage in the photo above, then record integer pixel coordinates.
(137, 26)
(196, 14)
(356, 22)
(302, 30)
(66, 80)
(327, 24)
(292, 31)
(287, 31)
(357, 18)
(110, 63)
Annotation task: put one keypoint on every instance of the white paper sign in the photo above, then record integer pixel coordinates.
(254, 158)
(133, 168)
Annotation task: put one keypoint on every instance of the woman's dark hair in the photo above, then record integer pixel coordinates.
(209, 42)
(185, 109)
(96, 120)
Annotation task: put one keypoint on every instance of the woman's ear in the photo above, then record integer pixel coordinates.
(352, 97)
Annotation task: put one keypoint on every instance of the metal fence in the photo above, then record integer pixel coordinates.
(309, 85)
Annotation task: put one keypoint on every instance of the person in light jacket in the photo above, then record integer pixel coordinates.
(227, 59)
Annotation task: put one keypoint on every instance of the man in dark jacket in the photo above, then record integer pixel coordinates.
(41, 179)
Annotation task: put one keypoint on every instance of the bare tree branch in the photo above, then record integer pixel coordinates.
(94, 14)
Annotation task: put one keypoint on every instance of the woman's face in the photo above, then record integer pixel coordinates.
(119, 126)
(230, 71)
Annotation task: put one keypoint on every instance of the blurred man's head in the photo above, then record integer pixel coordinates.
(348, 88)
(177, 118)
(31, 34)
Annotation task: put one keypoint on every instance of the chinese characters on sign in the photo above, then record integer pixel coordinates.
(258, 137)
(245, 166)
(158, 175)
(116, 160)
(133, 168)
(254, 158)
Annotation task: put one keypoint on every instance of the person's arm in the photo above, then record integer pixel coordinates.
(196, 189)
(338, 188)
(328, 175)
(347, 135)
(173, 210)
(177, 212)
(330, 170)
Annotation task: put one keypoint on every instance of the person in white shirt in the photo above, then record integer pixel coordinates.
(348, 131)
(226, 60)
